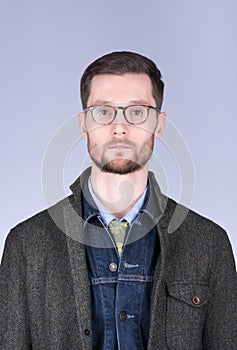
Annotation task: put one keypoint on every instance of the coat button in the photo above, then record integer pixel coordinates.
(87, 332)
(113, 267)
(196, 300)
(123, 316)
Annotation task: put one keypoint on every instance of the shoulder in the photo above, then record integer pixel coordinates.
(182, 217)
(177, 218)
(196, 242)
(186, 224)
(41, 228)
(188, 227)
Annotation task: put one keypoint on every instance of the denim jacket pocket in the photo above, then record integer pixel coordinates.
(185, 315)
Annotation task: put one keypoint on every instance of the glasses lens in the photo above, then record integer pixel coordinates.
(103, 114)
(136, 114)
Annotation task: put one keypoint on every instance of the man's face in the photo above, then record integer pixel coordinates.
(120, 147)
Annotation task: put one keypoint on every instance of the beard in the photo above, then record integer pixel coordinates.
(121, 164)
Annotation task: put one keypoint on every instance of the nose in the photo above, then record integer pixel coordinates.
(119, 125)
(120, 118)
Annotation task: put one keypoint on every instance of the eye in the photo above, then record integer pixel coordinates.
(137, 112)
(103, 114)
(102, 111)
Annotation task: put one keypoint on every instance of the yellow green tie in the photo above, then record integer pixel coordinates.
(118, 230)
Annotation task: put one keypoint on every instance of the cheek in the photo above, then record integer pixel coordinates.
(146, 130)
(97, 137)
(91, 126)
(142, 136)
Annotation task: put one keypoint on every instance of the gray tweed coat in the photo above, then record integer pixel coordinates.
(45, 292)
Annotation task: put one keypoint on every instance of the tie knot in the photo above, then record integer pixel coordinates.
(118, 225)
(118, 230)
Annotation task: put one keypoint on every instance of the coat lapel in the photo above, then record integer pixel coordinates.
(158, 301)
(76, 249)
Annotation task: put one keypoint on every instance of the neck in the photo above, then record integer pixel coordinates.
(118, 193)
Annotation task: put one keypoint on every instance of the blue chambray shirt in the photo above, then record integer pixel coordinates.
(121, 286)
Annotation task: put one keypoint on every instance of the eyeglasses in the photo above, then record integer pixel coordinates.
(134, 114)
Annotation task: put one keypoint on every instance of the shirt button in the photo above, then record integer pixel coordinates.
(87, 332)
(113, 267)
(123, 316)
(196, 300)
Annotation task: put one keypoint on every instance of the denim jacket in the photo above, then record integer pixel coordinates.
(121, 286)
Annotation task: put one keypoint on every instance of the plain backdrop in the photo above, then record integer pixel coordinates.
(45, 47)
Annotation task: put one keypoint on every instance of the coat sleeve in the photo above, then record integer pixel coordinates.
(14, 326)
(221, 322)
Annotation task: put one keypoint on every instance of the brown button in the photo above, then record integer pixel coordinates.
(123, 316)
(87, 332)
(113, 267)
(196, 300)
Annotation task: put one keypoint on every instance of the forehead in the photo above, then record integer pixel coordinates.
(121, 88)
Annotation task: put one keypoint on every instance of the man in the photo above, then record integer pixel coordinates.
(102, 269)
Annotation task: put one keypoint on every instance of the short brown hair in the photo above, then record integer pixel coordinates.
(119, 63)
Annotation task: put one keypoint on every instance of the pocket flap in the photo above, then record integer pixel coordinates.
(195, 295)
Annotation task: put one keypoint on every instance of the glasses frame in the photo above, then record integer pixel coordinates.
(116, 108)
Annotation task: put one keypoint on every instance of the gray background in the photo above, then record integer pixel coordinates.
(46, 45)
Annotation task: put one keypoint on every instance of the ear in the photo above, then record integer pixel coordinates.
(82, 123)
(160, 125)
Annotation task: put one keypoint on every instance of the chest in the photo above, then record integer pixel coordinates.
(121, 290)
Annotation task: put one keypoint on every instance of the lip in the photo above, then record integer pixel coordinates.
(119, 146)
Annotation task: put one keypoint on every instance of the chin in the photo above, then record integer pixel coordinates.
(121, 166)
